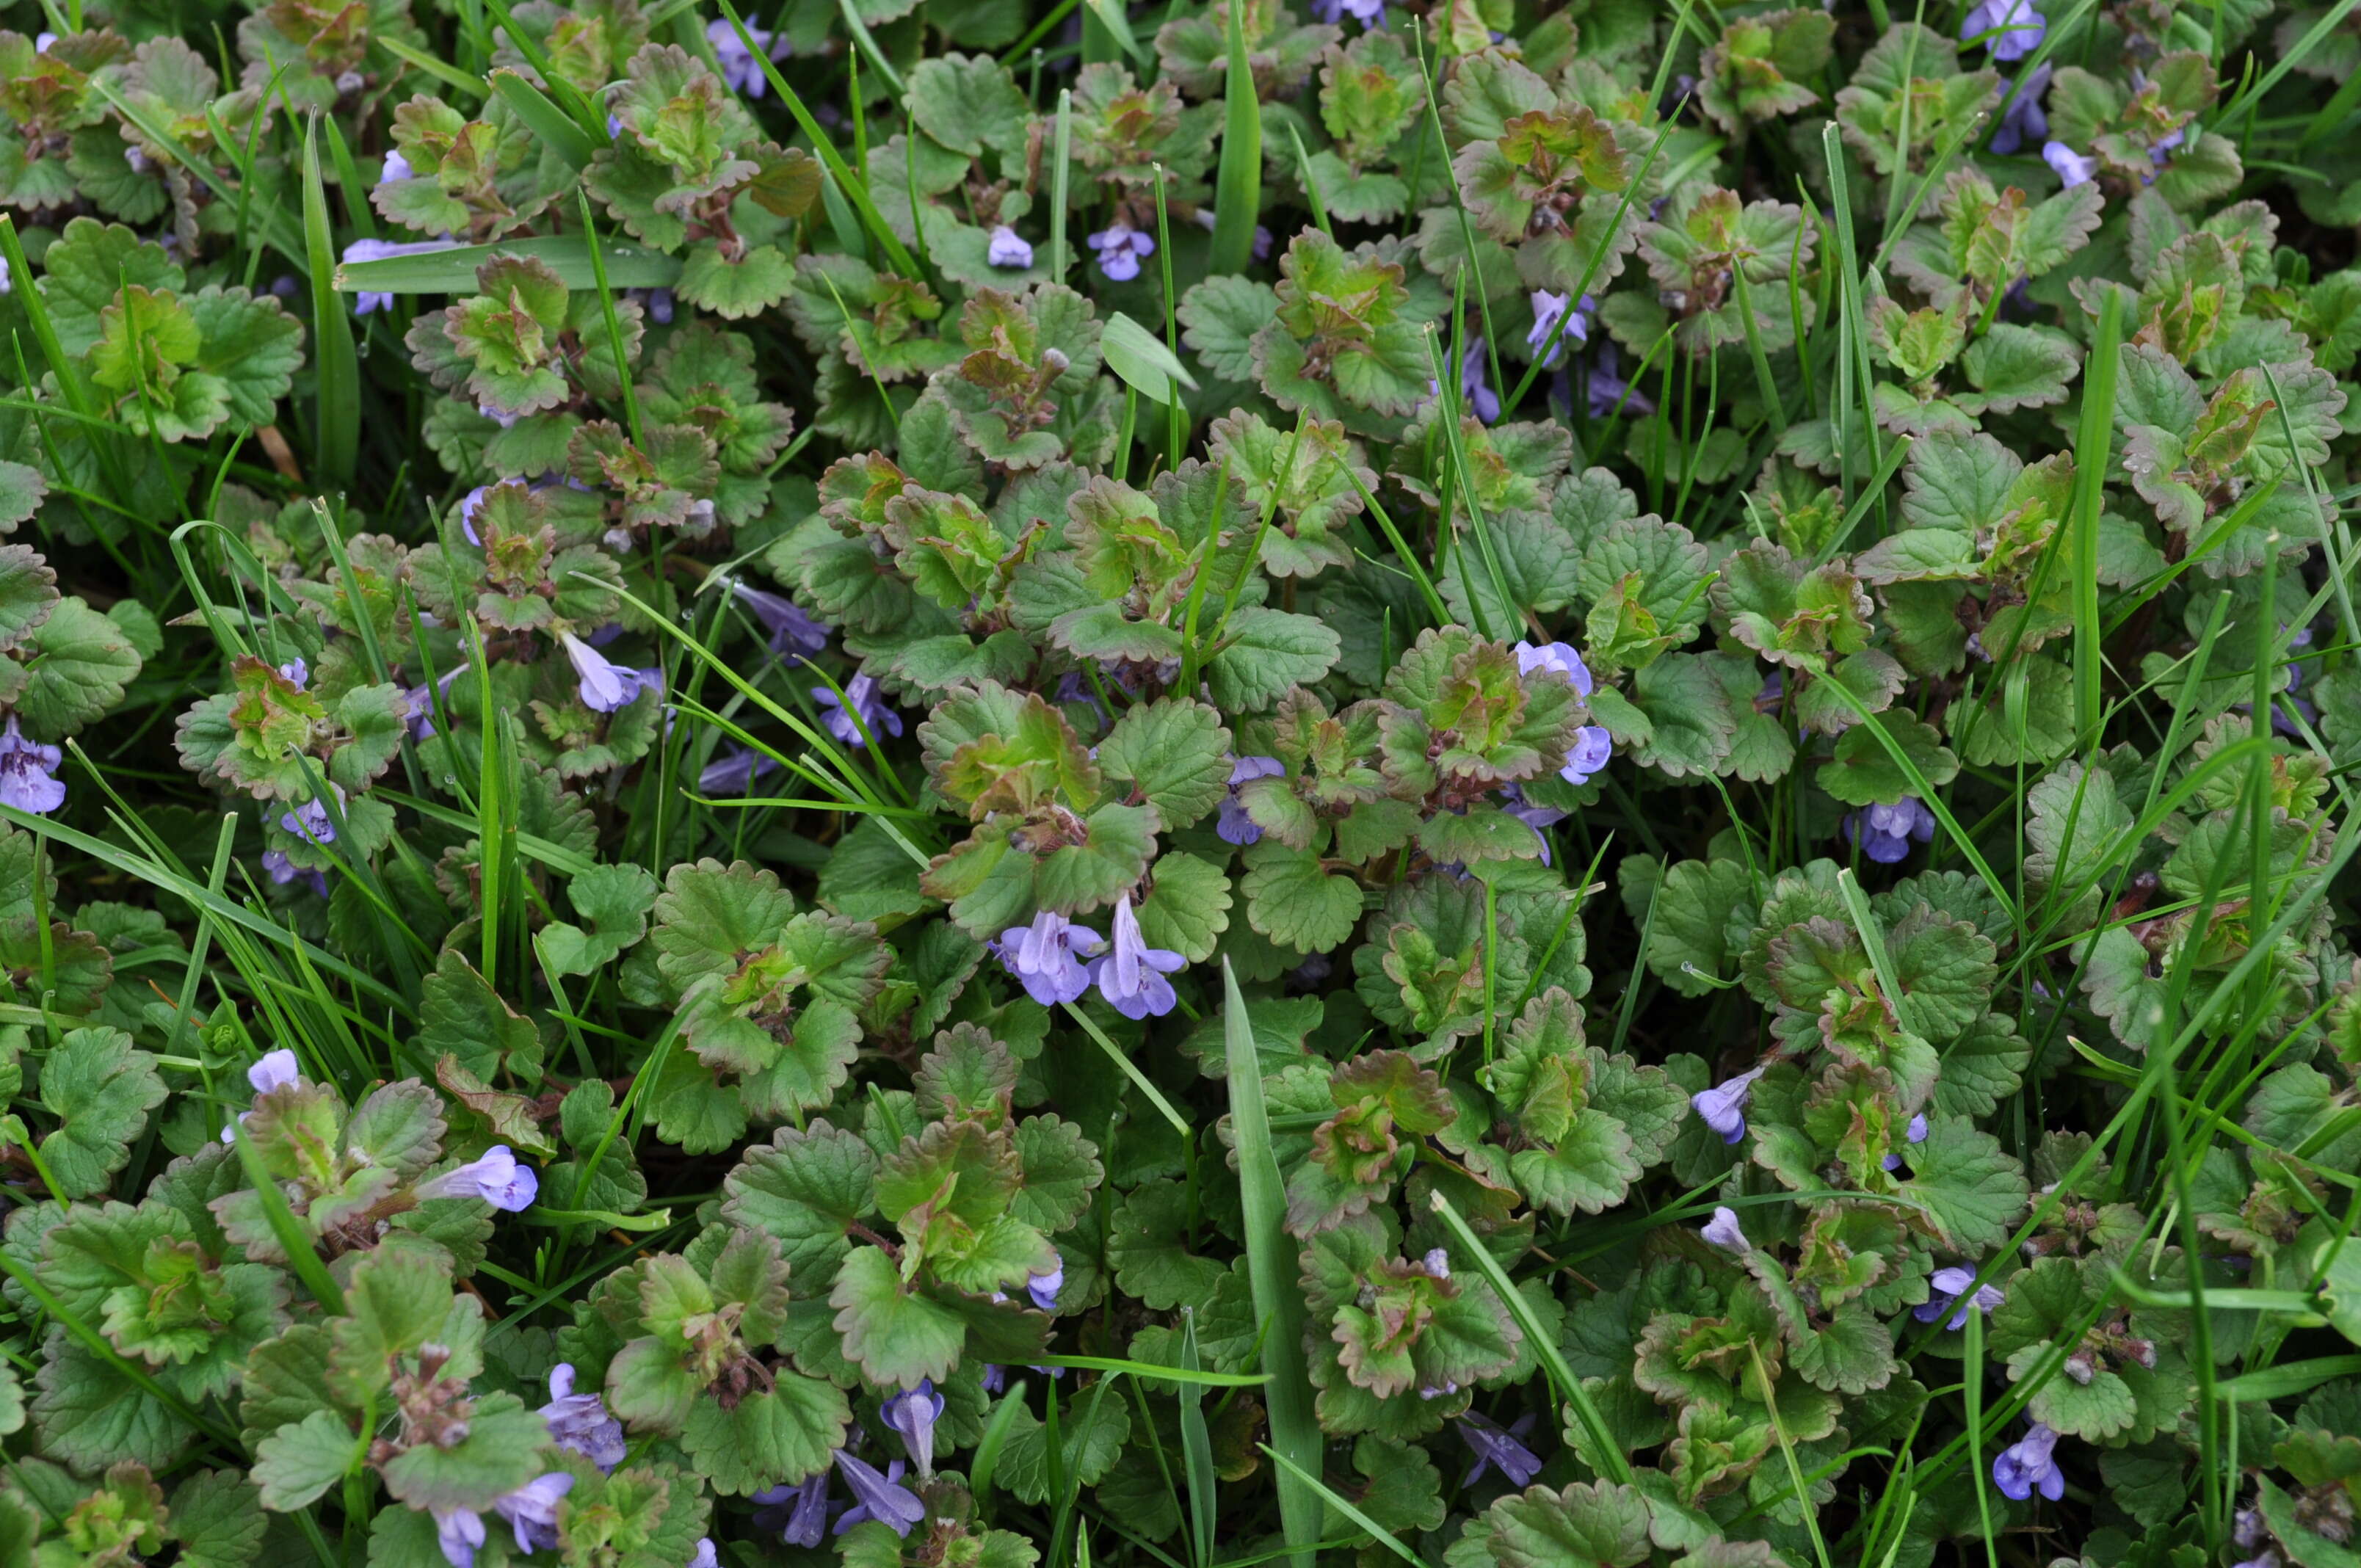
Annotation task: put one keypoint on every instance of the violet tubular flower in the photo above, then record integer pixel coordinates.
(2029, 1466)
(1046, 957)
(366, 301)
(1549, 309)
(705, 1555)
(1914, 1133)
(913, 1413)
(875, 1497)
(1121, 249)
(793, 632)
(532, 1510)
(282, 871)
(1722, 1231)
(581, 1421)
(1475, 394)
(734, 772)
(741, 71)
(2011, 30)
(2072, 167)
(862, 712)
(1536, 818)
(29, 770)
(1884, 832)
(1233, 826)
(1498, 1448)
(1131, 977)
(1605, 389)
(1593, 747)
(2023, 120)
(798, 1512)
(603, 685)
(1044, 1288)
(495, 1177)
(1008, 249)
(1723, 1107)
(458, 1531)
(1948, 1285)
(275, 1068)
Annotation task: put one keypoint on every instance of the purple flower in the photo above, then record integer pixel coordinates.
(1044, 1288)
(580, 1422)
(1722, 1231)
(739, 69)
(1948, 1285)
(495, 1177)
(879, 1497)
(1915, 1132)
(396, 167)
(1884, 832)
(1042, 956)
(995, 1379)
(860, 701)
(421, 702)
(912, 1412)
(1368, 13)
(603, 685)
(658, 303)
(1593, 747)
(2160, 151)
(705, 1556)
(28, 778)
(309, 821)
(1548, 310)
(378, 250)
(786, 621)
(1009, 249)
(298, 673)
(1132, 976)
(1261, 235)
(458, 1531)
(2072, 166)
(1534, 816)
(2026, 1463)
(1607, 389)
(1498, 1448)
(2010, 28)
(532, 1510)
(1723, 1106)
(276, 1067)
(1474, 391)
(1234, 825)
(282, 871)
(1121, 249)
(734, 772)
(799, 1513)
(2023, 120)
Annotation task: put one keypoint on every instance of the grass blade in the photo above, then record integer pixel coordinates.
(1237, 188)
(1272, 1269)
(336, 434)
(548, 122)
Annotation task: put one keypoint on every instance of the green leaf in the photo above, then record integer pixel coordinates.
(101, 1090)
(894, 1334)
(1174, 752)
(1973, 1190)
(78, 662)
(294, 1466)
(1292, 899)
(778, 1436)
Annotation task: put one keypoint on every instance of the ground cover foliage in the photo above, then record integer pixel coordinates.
(991, 784)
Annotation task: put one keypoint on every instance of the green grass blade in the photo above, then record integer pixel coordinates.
(336, 432)
(1610, 1459)
(1273, 1270)
(1237, 187)
(2090, 454)
(545, 120)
